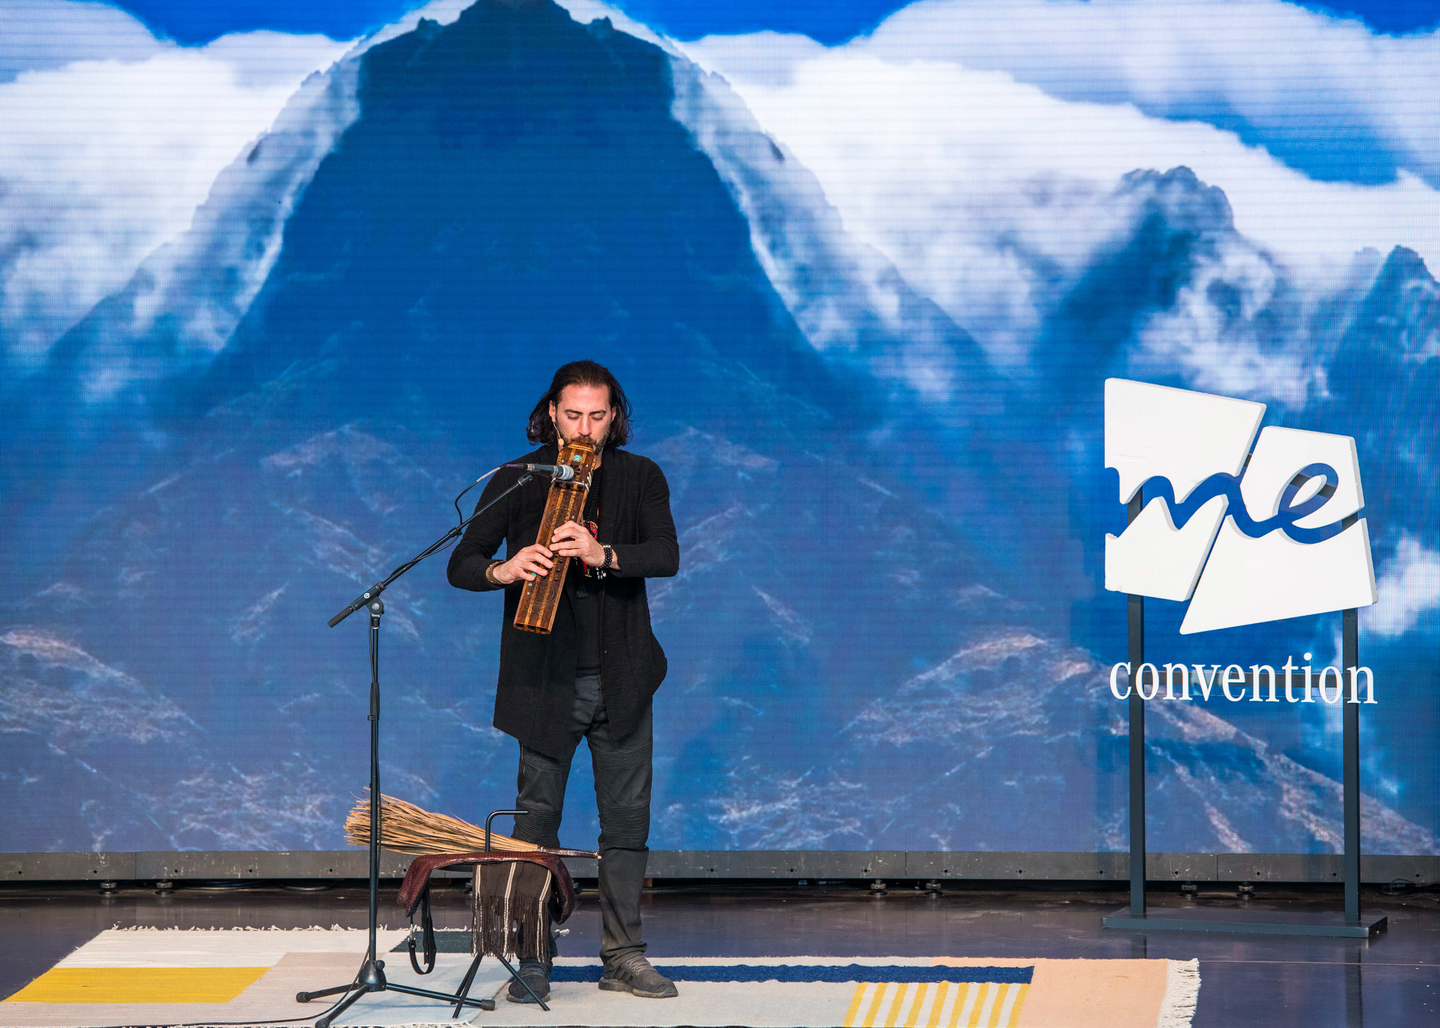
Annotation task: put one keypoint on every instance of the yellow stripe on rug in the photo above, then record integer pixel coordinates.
(139, 985)
(936, 1005)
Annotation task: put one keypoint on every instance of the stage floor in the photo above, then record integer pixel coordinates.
(1248, 980)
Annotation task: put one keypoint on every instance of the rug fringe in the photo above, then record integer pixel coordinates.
(1182, 992)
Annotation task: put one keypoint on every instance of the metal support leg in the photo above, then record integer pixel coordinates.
(346, 1004)
(306, 997)
(465, 984)
(1137, 738)
(516, 975)
(1350, 657)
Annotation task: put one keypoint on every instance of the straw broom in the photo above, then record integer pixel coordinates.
(406, 828)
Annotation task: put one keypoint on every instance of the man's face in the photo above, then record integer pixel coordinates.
(583, 412)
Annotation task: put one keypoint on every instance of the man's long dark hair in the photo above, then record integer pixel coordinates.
(583, 373)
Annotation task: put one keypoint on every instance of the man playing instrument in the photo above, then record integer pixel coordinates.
(593, 675)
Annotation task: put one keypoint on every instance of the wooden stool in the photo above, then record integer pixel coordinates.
(518, 896)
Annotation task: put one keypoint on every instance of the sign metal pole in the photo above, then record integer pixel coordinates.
(1136, 606)
(1350, 757)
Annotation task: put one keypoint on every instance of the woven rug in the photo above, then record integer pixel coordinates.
(159, 977)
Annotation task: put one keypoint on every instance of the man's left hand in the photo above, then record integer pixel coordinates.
(573, 540)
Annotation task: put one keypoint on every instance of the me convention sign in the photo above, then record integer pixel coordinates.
(1248, 525)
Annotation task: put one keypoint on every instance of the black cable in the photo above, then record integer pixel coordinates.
(472, 485)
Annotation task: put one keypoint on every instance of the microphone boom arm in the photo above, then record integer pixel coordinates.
(373, 593)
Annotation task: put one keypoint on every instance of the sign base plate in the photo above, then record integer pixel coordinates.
(1249, 922)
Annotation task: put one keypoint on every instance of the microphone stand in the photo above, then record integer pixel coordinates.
(371, 976)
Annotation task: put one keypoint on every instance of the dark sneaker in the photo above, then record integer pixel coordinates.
(636, 976)
(537, 976)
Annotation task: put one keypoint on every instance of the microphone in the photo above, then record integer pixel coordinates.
(561, 472)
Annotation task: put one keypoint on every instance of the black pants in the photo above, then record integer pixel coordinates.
(623, 774)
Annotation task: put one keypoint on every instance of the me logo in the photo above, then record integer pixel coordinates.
(1252, 535)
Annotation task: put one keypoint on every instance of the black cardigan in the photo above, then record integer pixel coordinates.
(537, 672)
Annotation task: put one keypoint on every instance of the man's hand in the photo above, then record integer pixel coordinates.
(572, 540)
(529, 564)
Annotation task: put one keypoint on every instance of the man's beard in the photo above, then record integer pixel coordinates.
(599, 443)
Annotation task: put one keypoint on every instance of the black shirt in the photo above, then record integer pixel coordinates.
(584, 592)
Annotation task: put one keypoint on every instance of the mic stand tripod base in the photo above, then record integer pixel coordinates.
(372, 979)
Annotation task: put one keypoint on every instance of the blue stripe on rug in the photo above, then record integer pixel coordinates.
(809, 973)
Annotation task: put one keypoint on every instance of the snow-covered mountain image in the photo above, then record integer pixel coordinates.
(867, 348)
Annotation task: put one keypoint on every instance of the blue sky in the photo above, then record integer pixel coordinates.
(825, 20)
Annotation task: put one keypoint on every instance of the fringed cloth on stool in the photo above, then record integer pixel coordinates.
(518, 896)
(514, 906)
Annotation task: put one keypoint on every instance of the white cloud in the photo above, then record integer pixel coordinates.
(202, 282)
(1217, 348)
(102, 160)
(987, 193)
(845, 296)
(1294, 76)
(120, 151)
(267, 60)
(43, 34)
(1409, 589)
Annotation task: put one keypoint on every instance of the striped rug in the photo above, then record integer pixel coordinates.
(161, 977)
(937, 1005)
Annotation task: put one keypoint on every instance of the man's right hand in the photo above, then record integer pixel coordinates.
(529, 564)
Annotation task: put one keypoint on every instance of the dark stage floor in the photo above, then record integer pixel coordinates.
(1245, 981)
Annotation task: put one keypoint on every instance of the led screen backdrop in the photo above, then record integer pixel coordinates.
(269, 300)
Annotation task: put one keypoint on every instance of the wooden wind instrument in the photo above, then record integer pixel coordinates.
(541, 596)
